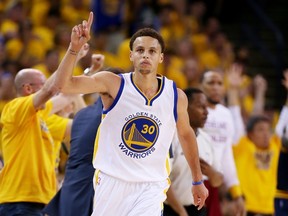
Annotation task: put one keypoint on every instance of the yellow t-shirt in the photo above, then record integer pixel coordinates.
(257, 172)
(57, 127)
(28, 151)
(2, 104)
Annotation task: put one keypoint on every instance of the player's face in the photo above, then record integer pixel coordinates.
(197, 110)
(212, 86)
(146, 55)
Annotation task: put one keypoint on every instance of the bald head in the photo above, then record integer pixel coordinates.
(28, 76)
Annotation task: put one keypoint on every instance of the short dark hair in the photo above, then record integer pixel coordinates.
(190, 92)
(253, 120)
(147, 32)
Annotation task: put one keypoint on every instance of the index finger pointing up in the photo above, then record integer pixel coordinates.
(90, 20)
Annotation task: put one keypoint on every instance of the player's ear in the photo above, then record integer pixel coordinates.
(130, 56)
(161, 57)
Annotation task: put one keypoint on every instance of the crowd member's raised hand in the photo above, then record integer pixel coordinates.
(235, 80)
(260, 88)
(260, 84)
(97, 62)
(81, 34)
(234, 76)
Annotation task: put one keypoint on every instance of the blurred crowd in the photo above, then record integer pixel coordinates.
(36, 34)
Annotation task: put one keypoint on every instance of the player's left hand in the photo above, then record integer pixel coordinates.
(199, 193)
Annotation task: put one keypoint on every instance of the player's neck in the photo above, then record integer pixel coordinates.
(148, 84)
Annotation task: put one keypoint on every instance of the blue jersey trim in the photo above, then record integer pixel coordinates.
(147, 101)
(160, 89)
(175, 101)
(117, 96)
(171, 153)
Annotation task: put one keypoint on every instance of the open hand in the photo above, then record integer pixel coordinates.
(260, 83)
(234, 75)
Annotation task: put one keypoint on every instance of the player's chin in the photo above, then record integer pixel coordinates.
(145, 71)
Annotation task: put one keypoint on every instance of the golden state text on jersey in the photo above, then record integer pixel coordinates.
(139, 135)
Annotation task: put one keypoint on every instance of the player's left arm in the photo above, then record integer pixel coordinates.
(188, 142)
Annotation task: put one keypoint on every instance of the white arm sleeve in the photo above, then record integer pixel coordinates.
(238, 123)
(228, 163)
(229, 168)
(282, 122)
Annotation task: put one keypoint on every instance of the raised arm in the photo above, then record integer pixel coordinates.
(233, 91)
(188, 142)
(260, 85)
(100, 82)
(50, 88)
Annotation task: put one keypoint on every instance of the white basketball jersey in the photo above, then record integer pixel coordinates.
(135, 134)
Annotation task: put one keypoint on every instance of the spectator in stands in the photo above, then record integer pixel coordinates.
(27, 180)
(256, 152)
(256, 156)
(180, 201)
(220, 127)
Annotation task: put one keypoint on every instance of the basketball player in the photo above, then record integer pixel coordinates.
(141, 112)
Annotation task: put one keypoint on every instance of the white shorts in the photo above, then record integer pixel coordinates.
(117, 197)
